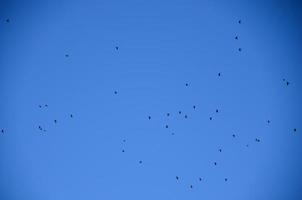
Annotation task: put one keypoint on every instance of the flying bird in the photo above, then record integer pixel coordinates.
(239, 49)
(236, 38)
(149, 117)
(186, 116)
(239, 21)
(116, 47)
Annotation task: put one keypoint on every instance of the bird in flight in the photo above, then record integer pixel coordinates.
(216, 110)
(55, 121)
(71, 115)
(115, 92)
(194, 107)
(295, 129)
(236, 38)
(210, 118)
(167, 126)
(177, 178)
(149, 117)
(116, 47)
(7, 20)
(2, 131)
(186, 116)
(239, 21)
(168, 114)
(239, 49)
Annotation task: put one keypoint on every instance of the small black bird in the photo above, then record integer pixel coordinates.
(173, 133)
(287, 83)
(210, 118)
(2, 131)
(179, 112)
(46, 105)
(239, 21)
(123, 150)
(124, 140)
(225, 179)
(220, 150)
(257, 140)
(40, 106)
(55, 121)
(194, 107)
(295, 129)
(268, 121)
(167, 126)
(115, 92)
(116, 47)
(168, 114)
(66, 55)
(40, 128)
(216, 110)
(236, 38)
(186, 116)
(247, 145)
(234, 135)
(200, 179)
(71, 115)
(177, 178)
(187, 84)
(140, 162)
(239, 49)
(149, 117)
(215, 163)
(219, 74)
(191, 186)
(7, 20)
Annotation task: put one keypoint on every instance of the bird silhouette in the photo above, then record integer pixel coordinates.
(186, 116)
(66, 55)
(268, 121)
(219, 74)
(200, 179)
(215, 163)
(234, 135)
(216, 110)
(236, 38)
(220, 150)
(295, 129)
(191, 186)
(287, 83)
(211, 118)
(7, 20)
(2, 130)
(225, 179)
(179, 112)
(167, 126)
(177, 178)
(55, 121)
(116, 47)
(194, 107)
(140, 162)
(40, 128)
(239, 21)
(123, 150)
(149, 117)
(187, 84)
(46, 105)
(168, 114)
(40, 106)
(115, 92)
(71, 115)
(239, 49)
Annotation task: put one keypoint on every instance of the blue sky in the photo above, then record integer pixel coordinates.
(162, 46)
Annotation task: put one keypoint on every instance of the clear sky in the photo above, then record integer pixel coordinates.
(62, 56)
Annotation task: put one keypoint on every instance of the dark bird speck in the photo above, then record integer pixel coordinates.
(179, 112)
(211, 118)
(168, 114)
(187, 84)
(46, 105)
(66, 55)
(191, 186)
(186, 116)
(295, 130)
(55, 121)
(116, 48)
(123, 150)
(236, 38)
(167, 126)
(7, 20)
(216, 110)
(177, 178)
(200, 179)
(149, 117)
(2, 131)
(140, 162)
(268, 121)
(219, 74)
(194, 107)
(215, 163)
(71, 115)
(115, 92)
(287, 83)
(234, 135)
(239, 49)
(239, 21)
(220, 150)
(225, 179)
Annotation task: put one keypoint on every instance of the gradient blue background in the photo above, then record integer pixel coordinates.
(163, 44)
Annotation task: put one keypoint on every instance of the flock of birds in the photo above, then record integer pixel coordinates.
(177, 177)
